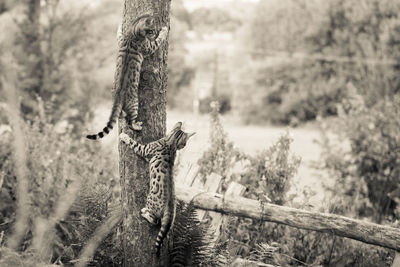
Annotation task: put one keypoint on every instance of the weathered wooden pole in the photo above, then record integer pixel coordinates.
(138, 236)
(367, 232)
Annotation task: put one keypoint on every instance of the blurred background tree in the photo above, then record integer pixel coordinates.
(180, 74)
(353, 44)
(51, 61)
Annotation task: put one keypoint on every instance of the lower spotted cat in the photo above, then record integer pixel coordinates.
(160, 204)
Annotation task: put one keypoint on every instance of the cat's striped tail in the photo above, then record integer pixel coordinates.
(166, 223)
(116, 111)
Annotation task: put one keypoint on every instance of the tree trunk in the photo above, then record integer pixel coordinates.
(138, 236)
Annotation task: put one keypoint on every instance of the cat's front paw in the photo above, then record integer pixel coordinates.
(124, 138)
(137, 126)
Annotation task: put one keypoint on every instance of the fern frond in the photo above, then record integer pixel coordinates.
(191, 242)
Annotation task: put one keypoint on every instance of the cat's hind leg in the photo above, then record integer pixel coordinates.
(166, 223)
(131, 122)
(132, 99)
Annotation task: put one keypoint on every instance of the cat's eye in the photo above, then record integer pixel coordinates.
(150, 31)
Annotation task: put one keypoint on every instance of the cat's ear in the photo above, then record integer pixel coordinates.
(178, 125)
(120, 37)
(190, 134)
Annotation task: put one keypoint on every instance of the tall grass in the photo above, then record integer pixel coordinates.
(8, 80)
(60, 187)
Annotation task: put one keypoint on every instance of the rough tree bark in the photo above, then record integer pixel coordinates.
(138, 236)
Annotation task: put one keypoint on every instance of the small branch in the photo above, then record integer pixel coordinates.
(371, 233)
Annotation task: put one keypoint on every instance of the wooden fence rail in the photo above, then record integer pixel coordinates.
(380, 235)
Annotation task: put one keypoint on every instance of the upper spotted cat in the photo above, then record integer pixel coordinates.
(136, 43)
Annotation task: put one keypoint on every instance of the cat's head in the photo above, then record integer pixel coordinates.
(177, 138)
(145, 27)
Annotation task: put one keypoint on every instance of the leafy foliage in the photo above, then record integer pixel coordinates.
(51, 62)
(274, 167)
(191, 241)
(369, 31)
(53, 168)
(221, 155)
(376, 150)
(268, 176)
(339, 44)
(89, 212)
(286, 22)
(370, 168)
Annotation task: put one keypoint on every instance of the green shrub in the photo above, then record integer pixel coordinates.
(55, 163)
(270, 172)
(268, 177)
(221, 156)
(370, 170)
(190, 241)
(335, 38)
(375, 143)
(292, 94)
